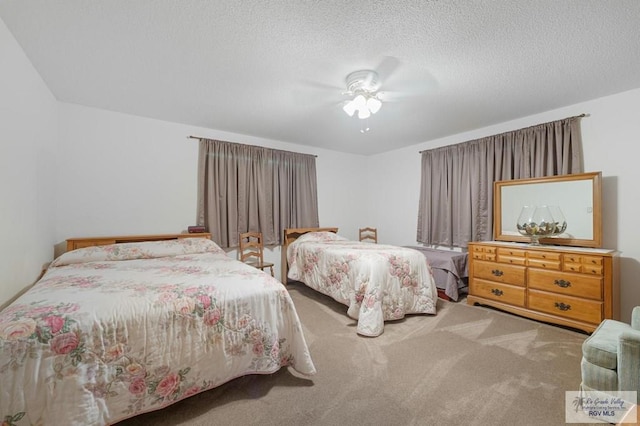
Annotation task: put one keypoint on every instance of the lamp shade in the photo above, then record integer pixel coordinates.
(350, 108)
(364, 113)
(360, 102)
(374, 105)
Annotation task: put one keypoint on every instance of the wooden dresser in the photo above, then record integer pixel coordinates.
(570, 286)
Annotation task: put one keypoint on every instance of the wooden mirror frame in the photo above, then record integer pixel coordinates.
(596, 184)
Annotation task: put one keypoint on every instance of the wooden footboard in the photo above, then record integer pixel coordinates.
(290, 235)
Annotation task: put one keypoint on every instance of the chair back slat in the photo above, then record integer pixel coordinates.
(368, 234)
(251, 250)
(251, 247)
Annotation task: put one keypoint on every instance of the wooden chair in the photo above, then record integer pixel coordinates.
(252, 251)
(369, 235)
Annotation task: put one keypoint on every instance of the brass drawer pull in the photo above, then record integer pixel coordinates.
(497, 272)
(562, 306)
(562, 283)
(497, 291)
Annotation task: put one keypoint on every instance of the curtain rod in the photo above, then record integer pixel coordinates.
(567, 118)
(255, 146)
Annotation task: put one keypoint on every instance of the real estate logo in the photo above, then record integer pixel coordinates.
(590, 406)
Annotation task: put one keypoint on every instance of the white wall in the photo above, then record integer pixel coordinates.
(120, 175)
(28, 135)
(611, 144)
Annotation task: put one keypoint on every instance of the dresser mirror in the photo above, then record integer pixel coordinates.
(579, 197)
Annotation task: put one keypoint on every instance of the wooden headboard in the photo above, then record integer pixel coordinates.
(290, 235)
(76, 243)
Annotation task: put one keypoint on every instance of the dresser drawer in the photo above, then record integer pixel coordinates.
(565, 283)
(584, 269)
(484, 256)
(593, 265)
(483, 253)
(592, 260)
(571, 267)
(572, 258)
(592, 269)
(544, 264)
(500, 292)
(484, 249)
(511, 260)
(511, 256)
(566, 306)
(510, 274)
(545, 255)
(544, 260)
(511, 252)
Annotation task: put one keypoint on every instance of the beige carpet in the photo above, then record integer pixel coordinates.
(464, 366)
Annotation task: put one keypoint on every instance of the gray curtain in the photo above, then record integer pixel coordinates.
(295, 194)
(456, 189)
(245, 188)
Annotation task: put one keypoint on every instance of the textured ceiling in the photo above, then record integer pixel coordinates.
(276, 69)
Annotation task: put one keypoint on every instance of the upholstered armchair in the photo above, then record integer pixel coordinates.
(611, 356)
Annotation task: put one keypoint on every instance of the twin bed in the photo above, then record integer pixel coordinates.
(450, 271)
(114, 330)
(119, 326)
(377, 282)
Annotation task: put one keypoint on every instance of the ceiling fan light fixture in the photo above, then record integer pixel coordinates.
(365, 104)
(350, 108)
(363, 85)
(360, 102)
(374, 105)
(364, 113)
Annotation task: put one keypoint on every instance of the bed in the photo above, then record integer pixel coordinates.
(450, 271)
(115, 330)
(377, 282)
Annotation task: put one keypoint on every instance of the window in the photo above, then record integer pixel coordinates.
(456, 188)
(245, 188)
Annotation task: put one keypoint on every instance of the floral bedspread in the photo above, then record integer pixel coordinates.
(113, 331)
(377, 282)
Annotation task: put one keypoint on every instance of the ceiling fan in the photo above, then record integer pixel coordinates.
(367, 90)
(363, 87)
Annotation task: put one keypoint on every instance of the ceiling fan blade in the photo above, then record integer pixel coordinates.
(388, 96)
(387, 67)
(318, 93)
(320, 85)
(409, 84)
(369, 80)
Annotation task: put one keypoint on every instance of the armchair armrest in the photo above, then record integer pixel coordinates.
(635, 318)
(629, 361)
